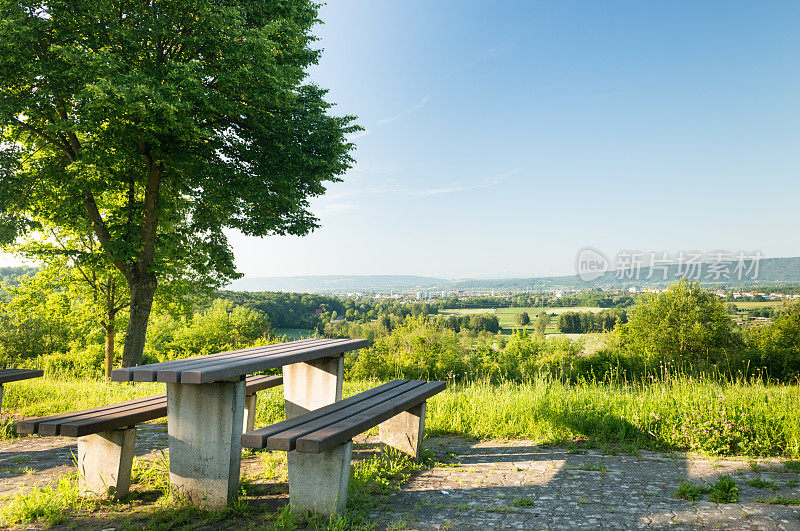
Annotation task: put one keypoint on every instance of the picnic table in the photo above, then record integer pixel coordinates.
(205, 403)
(13, 375)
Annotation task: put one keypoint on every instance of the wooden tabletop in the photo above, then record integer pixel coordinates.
(12, 375)
(236, 363)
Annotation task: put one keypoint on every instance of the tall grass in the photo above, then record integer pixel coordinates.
(748, 418)
(716, 418)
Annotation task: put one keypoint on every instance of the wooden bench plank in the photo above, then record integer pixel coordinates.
(30, 426)
(231, 369)
(206, 356)
(346, 429)
(14, 375)
(151, 407)
(111, 421)
(176, 374)
(258, 438)
(258, 383)
(286, 440)
(112, 416)
(147, 373)
(170, 373)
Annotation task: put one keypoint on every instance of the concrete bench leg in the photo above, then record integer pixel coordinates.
(405, 431)
(1, 397)
(313, 384)
(318, 482)
(204, 422)
(105, 460)
(250, 405)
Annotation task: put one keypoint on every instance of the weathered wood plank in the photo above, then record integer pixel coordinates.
(31, 426)
(14, 375)
(258, 438)
(145, 373)
(120, 414)
(348, 428)
(175, 374)
(286, 440)
(232, 369)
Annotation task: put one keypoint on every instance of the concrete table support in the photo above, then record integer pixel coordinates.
(404, 432)
(204, 422)
(313, 384)
(318, 482)
(250, 406)
(105, 460)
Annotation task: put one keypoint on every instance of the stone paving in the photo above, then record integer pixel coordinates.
(507, 485)
(518, 485)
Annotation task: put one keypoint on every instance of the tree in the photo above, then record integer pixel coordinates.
(684, 323)
(81, 265)
(160, 124)
(542, 322)
(522, 319)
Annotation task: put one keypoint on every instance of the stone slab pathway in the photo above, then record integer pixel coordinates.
(519, 485)
(507, 485)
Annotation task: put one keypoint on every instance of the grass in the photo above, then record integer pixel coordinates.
(524, 502)
(690, 491)
(371, 482)
(792, 466)
(746, 419)
(759, 483)
(779, 500)
(724, 490)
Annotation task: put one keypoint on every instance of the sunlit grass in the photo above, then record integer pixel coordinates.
(746, 418)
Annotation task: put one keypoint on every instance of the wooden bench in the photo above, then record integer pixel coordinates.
(106, 434)
(320, 442)
(14, 375)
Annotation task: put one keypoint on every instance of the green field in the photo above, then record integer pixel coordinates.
(507, 316)
(751, 305)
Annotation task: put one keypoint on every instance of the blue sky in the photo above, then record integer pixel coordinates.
(502, 137)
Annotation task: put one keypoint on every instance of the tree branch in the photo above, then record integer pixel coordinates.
(46, 137)
(101, 231)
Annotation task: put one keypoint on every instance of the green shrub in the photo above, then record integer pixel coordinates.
(691, 492)
(724, 491)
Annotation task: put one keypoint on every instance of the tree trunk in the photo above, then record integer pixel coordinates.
(111, 331)
(142, 287)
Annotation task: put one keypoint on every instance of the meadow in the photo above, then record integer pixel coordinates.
(746, 418)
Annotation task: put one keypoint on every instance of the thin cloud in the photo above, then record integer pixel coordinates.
(415, 108)
(458, 187)
(365, 132)
(487, 54)
(390, 188)
(333, 208)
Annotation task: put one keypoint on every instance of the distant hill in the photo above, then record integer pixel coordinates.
(771, 271)
(336, 283)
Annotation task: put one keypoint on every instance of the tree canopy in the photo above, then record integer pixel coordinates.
(157, 125)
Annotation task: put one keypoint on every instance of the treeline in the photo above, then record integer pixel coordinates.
(683, 331)
(597, 299)
(586, 322)
(288, 310)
